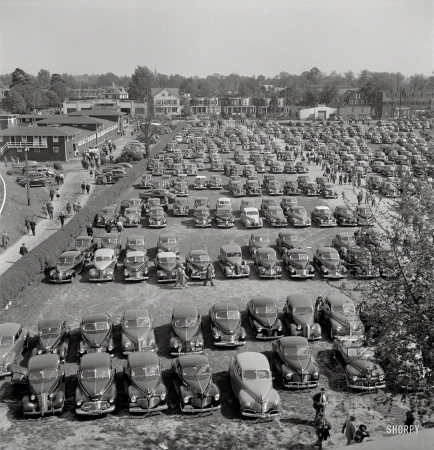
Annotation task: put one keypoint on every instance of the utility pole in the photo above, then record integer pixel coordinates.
(27, 175)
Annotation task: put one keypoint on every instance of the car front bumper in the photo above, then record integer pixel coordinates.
(95, 408)
(327, 223)
(226, 224)
(365, 385)
(300, 384)
(60, 280)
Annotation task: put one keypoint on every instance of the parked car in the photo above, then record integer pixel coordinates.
(358, 260)
(180, 207)
(186, 334)
(389, 190)
(252, 383)
(105, 263)
(258, 240)
(96, 390)
(38, 180)
(344, 240)
(53, 337)
(111, 241)
(146, 181)
(301, 318)
(202, 217)
(247, 203)
(328, 190)
(231, 262)
(13, 340)
(166, 264)
(266, 203)
(264, 319)
(224, 217)
(200, 182)
(144, 384)
(345, 216)
(96, 334)
(45, 378)
(215, 182)
(168, 242)
(136, 266)
(157, 217)
(275, 217)
(328, 263)
(196, 264)
(286, 240)
(69, 264)
(250, 218)
(138, 335)
(296, 262)
(291, 188)
(323, 217)
(132, 217)
(295, 363)
(136, 242)
(362, 371)
(364, 216)
(265, 263)
(287, 202)
(201, 201)
(274, 188)
(311, 189)
(87, 245)
(253, 188)
(108, 215)
(297, 216)
(226, 329)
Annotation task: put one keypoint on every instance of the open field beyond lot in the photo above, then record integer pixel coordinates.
(225, 429)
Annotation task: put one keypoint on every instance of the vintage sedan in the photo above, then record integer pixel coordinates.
(69, 265)
(252, 383)
(224, 217)
(287, 202)
(302, 180)
(111, 241)
(362, 371)
(389, 190)
(193, 384)
(132, 216)
(143, 382)
(196, 264)
(302, 167)
(231, 262)
(345, 216)
(166, 264)
(274, 188)
(108, 215)
(136, 242)
(186, 333)
(343, 240)
(157, 217)
(247, 203)
(358, 260)
(226, 329)
(265, 263)
(299, 316)
(258, 240)
(296, 262)
(339, 315)
(297, 216)
(266, 203)
(202, 217)
(295, 363)
(13, 340)
(236, 189)
(105, 263)
(290, 167)
(45, 377)
(253, 188)
(96, 334)
(146, 182)
(328, 190)
(291, 188)
(53, 337)
(311, 189)
(250, 218)
(267, 179)
(39, 180)
(323, 217)
(275, 217)
(181, 189)
(151, 202)
(215, 182)
(264, 319)
(136, 266)
(86, 245)
(138, 335)
(260, 167)
(96, 390)
(180, 207)
(286, 240)
(364, 216)
(201, 201)
(168, 242)
(328, 263)
(200, 182)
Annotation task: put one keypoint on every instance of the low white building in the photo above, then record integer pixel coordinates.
(301, 112)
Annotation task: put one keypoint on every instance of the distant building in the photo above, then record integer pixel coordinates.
(316, 112)
(353, 105)
(340, 88)
(403, 103)
(236, 105)
(8, 121)
(167, 101)
(126, 106)
(201, 105)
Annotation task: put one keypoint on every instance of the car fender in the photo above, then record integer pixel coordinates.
(352, 371)
(245, 397)
(293, 329)
(316, 329)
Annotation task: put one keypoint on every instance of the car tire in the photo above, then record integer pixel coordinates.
(47, 184)
(72, 279)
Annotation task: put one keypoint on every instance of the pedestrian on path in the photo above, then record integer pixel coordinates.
(62, 218)
(5, 240)
(87, 188)
(50, 210)
(68, 208)
(83, 187)
(373, 201)
(23, 249)
(33, 226)
(78, 207)
(361, 433)
(89, 230)
(6, 161)
(359, 198)
(61, 178)
(322, 429)
(119, 227)
(349, 429)
(27, 224)
(108, 227)
(44, 210)
(209, 274)
(181, 281)
(52, 194)
(74, 207)
(57, 193)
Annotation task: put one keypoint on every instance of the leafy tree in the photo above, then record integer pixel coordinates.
(43, 78)
(310, 97)
(55, 78)
(140, 86)
(14, 102)
(314, 76)
(59, 87)
(19, 77)
(51, 98)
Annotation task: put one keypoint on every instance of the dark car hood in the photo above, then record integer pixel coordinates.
(268, 264)
(266, 321)
(95, 339)
(228, 326)
(347, 320)
(44, 387)
(186, 334)
(95, 387)
(234, 260)
(83, 248)
(64, 268)
(137, 334)
(49, 341)
(299, 264)
(200, 265)
(304, 319)
(331, 263)
(200, 386)
(146, 386)
(299, 365)
(168, 247)
(167, 267)
(366, 366)
(136, 266)
(300, 216)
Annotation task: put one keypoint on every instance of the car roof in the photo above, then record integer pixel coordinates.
(327, 250)
(263, 300)
(322, 208)
(131, 209)
(84, 238)
(252, 361)
(95, 317)
(9, 329)
(138, 313)
(70, 254)
(198, 252)
(133, 253)
(225, 306)
(345, 233)
(104, 252)
(250, 209)
(299, 299)
(92, 360)
(192, 360)
(110, 235)
(50, 323)
(266, 251)
(287, 233)
(135, 237)
(166, 255)
(43, 362)
(274, 208)
(339, 299)
(293, 341)
(156, 208)
(182, 311)
(141, 359)
(109, 208)
(296, 251)
(166, 236)
(230, 248)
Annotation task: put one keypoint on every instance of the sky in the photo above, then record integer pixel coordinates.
(204, 37)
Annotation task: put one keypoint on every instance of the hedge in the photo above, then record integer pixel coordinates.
(39, 259)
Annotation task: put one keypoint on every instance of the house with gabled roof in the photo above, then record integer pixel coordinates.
(166, 101)
(353, 105)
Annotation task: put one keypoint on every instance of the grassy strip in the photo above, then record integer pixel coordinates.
(31, 265)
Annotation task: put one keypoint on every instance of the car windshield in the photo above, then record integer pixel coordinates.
(112, 240)
(54, 331)
(6, 340)
(267, 257)
(130, 213)
(299, 210)
(348, 240)
(102, 258)
(136, 242)
(137, 323)
(81, 242)
(258, 375)
(228, 315)
(96, 326)
(298, 257)
(199, 258)
(197, 372)
(266, 311)
(261, 239)
(224, 212)
(145, 372)
(324, 212)
(347, 308)
(202, 213)
(276, 212)
(252, 213)
(185, 323)
(200, 202)
(95, 374)
(302, 310)
(135, 259)
(330, 256)
(42, 375)
(108, 211)
(65, 261)
(167, 259)
(296, 351)
(157, 212)
(233, 255)
(289, 238)
(168, 240)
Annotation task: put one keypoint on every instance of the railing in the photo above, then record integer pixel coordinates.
(22, 145)
(3, 194)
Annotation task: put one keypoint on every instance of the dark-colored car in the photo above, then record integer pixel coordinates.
(296, 262)
(193, 384)
(136, 242)
(299, 316)
(180, 207)
(202, 217)
(231, 262)
(264, 319)
(111, 241)
(275, 217)
(196, 264)
(143, 383)
(265, 263)
(328, 263)
(138, 335)
(258, 240)
(274, 188)
(37, 181)
(13, 340)
(168, 242)
(311, 189)
(132, 216)
(358, 260)
(53, 337)
(286, 240)
(297, 216)
(323, 217)
(344, 240)
(226, 329)
(345, 216)
(166, 264)
(291, 188)
(253, 188)
(157, 217)
(69, 265)
(295, 363)
(96, 334)
(96, 390)
(136, 266)
(224, 217)
(328, 190)
(108, 215)
(86, 245)
(364, 216)
(186, 333)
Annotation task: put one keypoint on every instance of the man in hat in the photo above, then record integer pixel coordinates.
(5, 240)
(23, 249)
(319, 401)
(322, 429)
(349, 429)
(33, 226)
(209, 274)
(62, 218)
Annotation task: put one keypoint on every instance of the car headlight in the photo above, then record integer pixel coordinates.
(288, 376)
(259, 329)
(299, 327)
(279, 328)
(381, 377)
(338, 328)
(126, 272)
(127, 344)
(355, 378)
(93, 272)
(186, 399)
(175, 344)
(198, 344)
(50, 396)
(160, 273)
(133, 399)
(315, 375)
(278, 269)
(217, 397)
(33, 397)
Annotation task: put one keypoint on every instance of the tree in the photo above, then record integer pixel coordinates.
(19, 77)
(14, 102)
(142, 81)
(51, 98)
(60, 89)
(55, 78)
(43, 78)
(314, 76)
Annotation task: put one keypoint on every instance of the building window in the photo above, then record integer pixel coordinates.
(55, 149)
(352, 109)
(357, 95)
(163, 95)
(362, 102)
(158, 102)
(351, 102)
(169, 94)
(55, 138)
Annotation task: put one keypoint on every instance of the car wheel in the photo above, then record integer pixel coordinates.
(47, 184)
(71, 280)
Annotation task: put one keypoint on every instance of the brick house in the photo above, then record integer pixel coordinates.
(201, 105)
(403, 103)
(236, 105)
(353, 105)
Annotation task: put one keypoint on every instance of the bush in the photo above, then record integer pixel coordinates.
(57, 165)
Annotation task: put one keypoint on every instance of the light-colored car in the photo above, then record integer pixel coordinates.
(105, 262)
(250, 218)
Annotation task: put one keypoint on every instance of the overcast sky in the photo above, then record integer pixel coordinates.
(202, 37)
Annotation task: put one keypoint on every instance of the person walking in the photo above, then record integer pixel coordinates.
(373, 201)
(349, 429)
(322, 429)
(361, 433)
(319, 402)
(340, 179)
(50, 210)
(181, 278)
(359, 198)
(5, 240)
(61, 178)
(52, 194)
(23, 249)
(409, 418)
(27, 224)
(87, 188)
(119, 227)
(57, 179)
(33, 226)
(83, 187)
(78, 207)
(62, 218)
(74, 207)
(89, 229)
(108, 227)
(44, 210)
(209, 274)
(6, 161)
(68, 209)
